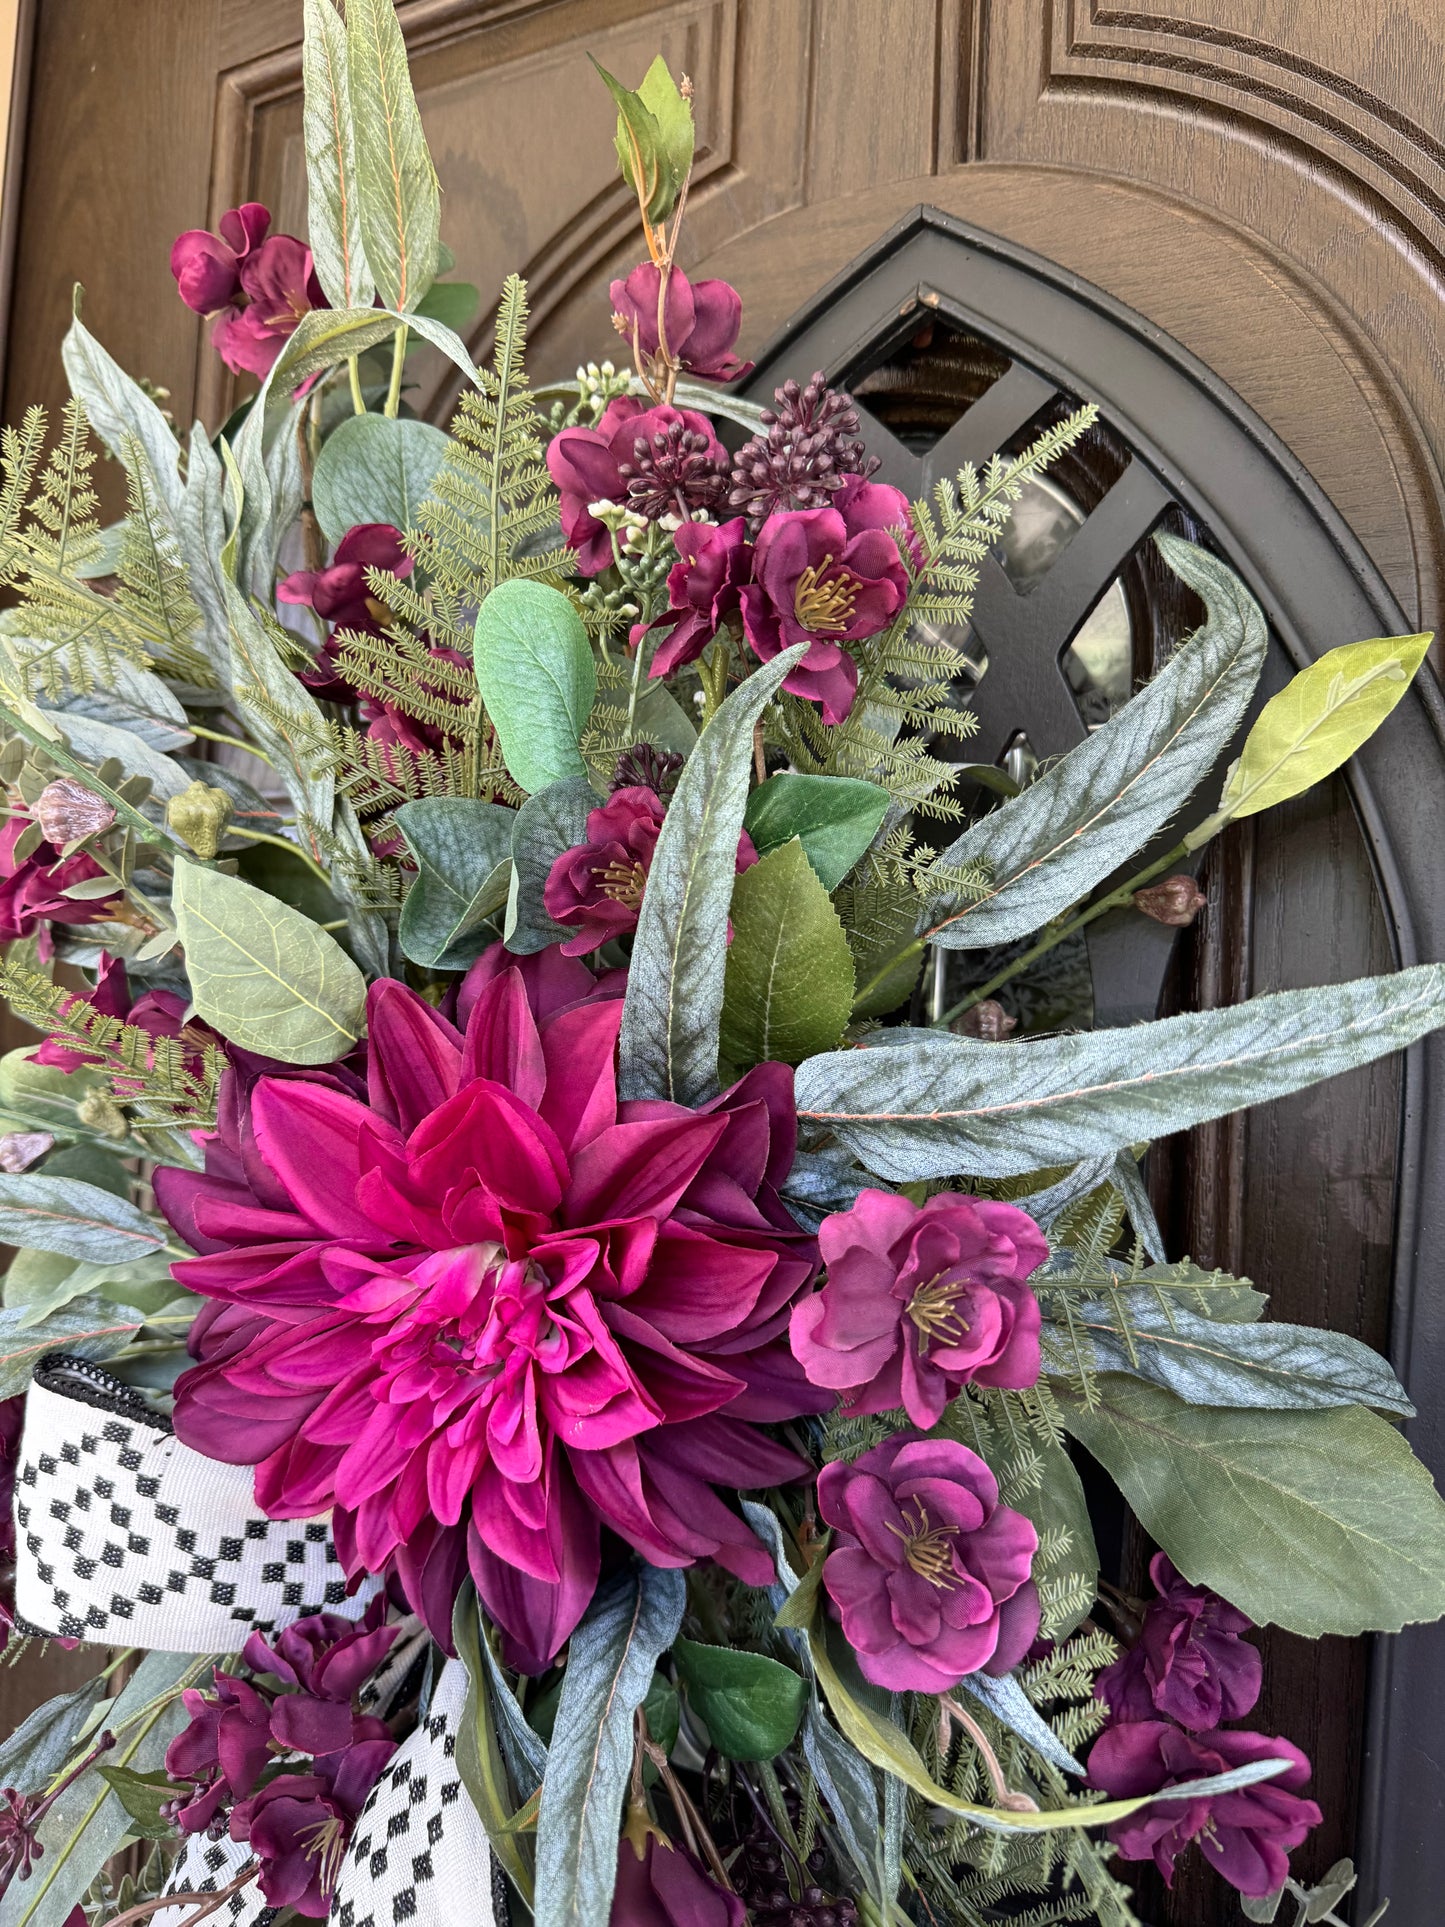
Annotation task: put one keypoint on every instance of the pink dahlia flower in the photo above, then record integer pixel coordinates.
(1246, 1835)
(487, 1309)
(920, 1302)
(928, 1573)
(703, 589)
(1190, 1662)
(596, 465)
(701, 319)
(32, 888)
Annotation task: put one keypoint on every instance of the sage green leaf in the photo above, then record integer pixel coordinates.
(319, 341)
(629, 1625)
(121, 412)
(673, 1008)
(202, 531)
(265, 976)
(87, 1327)
(788, 986)
(523, 1748)
(921, 1104)
(279, 711)
(1011, 1705)
(478, 1755)
(834, 817)
(43, 1744)
(750, 1704)
(658, 718)
(538, 679)
(463, 854)
(650, 149)
(143, 1795)
(1208, 1363)
(95, 741)
(42, 1097)
(40, 1283)
(374, 468)
(1089, 812)
(553, 820)
(453, 303)
(333, 220)
(134, 699)
(398, 197)
(1318, 1521)
(77, 1220)
(1319, 719)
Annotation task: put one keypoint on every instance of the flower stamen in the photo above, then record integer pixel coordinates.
(623, 882)
(326, 1844)
(824, 605)
(934, 1311)
(927, 1548)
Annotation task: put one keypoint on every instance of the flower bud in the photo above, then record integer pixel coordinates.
(1176, 901)
(199, 816)
(99, 1112)
(66, 810)
(988, 1021)
(20, 1149)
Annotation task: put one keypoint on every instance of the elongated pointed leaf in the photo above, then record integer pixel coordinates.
(1095, 807)
(42, 1745)
(1208, 1363)
(121, 412)
(463, 853)
(279, 710)
(77, 1220)
(398, 198)
(1007, 1701)
(922, 1104)
(333, 217)
(669, 1042)
(1322, 1522)
(201, 527)
(553, 820)
(538, 679)
(788, 986)
(610, 1661)
(479, 1753)
(264, 975)
(88, 1327)
(135, 700)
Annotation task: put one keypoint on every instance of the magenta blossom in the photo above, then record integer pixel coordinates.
(325, 1655)
(222, 1750)
(599, 884)
(1190, 1662)
(700, 319)
(257, 287)
(341, 595)
(596, 464)
(1246, 1835)
(666, 1887)
(703, 589)
(299, 1823)
(920, 1302)
(825, 577)
(491, 1308)
(929, 1574)
(32, 888)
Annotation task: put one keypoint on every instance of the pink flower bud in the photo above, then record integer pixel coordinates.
(20, 1149)
(66, 809)
(1176, 901)
(988, 1021)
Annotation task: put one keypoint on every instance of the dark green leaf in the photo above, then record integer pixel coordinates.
(750, 1704)
(142, 1795)
(553, 820)
(537, 677)
(788, 986)
(463, 854)
(374, 468)
(834, 817)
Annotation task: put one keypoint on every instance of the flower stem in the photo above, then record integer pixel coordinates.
(358, 400)
(282, 843)
(398, 362)
(206, 1903)
(236, 742)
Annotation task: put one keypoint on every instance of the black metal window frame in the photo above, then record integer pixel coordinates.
(1197, 444)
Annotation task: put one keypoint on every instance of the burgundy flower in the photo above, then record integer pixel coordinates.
(160, 1013)
(222, 1750)
(258, 287)
(207, 267)
(1246, 1835)
(928, 1573)
(595, 464)
(341, 595)
(825, 576)
(325, 1655)
(1189, 1663)
(666, 1887)
(598, 884)
(703, 589)
(920, 1302)
(491, 1308)
(299, 1823)
(701, 320)
(32, 888)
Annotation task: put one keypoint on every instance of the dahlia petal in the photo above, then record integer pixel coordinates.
(310, 1137)
(637, 1170)
(414, 1055)
(579, 1047)
(502, 1043)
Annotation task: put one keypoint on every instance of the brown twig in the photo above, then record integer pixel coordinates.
(145, 1908)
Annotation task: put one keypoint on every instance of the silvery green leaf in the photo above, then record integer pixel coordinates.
(523, 1748)
(1089, 812)
(463, 854)
(1129, 1181)
(333, 221)
(1206, 1362)
(121, 412)
(537, 677)
(42, 1744)
(821, 1182)
(136, 700)
(78, 1220)
(1045, 1205)
(94, 741)
(290, 726)
(201, 529)
(670, 1020)
(927, 1104)
(398, 197)
(1008, 1702)
(553, 820)
(374, 468)
(629, 1625)
(87, 1327)
(1264, 1908)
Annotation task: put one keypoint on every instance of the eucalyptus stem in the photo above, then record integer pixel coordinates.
(282, 843)
(398, 362)
(353, 370)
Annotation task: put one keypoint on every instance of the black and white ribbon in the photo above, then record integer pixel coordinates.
(127, 1537)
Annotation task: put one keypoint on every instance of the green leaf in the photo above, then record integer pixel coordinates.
(42, 1097)
(34, 1287)
(788, 986)
(673, 1008)
(654, 148)
(1319, 719)
(463, 854)
(538, 679)
(94, 741)
(1318, 1521)
(661, 96)
(264, 975)
(553, 820)
(921, 1104)
(398, 198)
(629, 1625)
(78, 1220)
(374, 468)
(138, 701)
(121, 412)
(1042, 1484)
(1089, 812)
(750, 1704)
(1207, 1363)
(39, 1748)
(333, 220)
(478, 1755)
(834, 817)
(87, 1327)
(142, 1795)
(453, 303)
(289, 725)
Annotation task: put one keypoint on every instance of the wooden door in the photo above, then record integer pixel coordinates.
(1261, 182)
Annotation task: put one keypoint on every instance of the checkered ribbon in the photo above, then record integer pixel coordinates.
(126, 1537)
(205, 1867)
